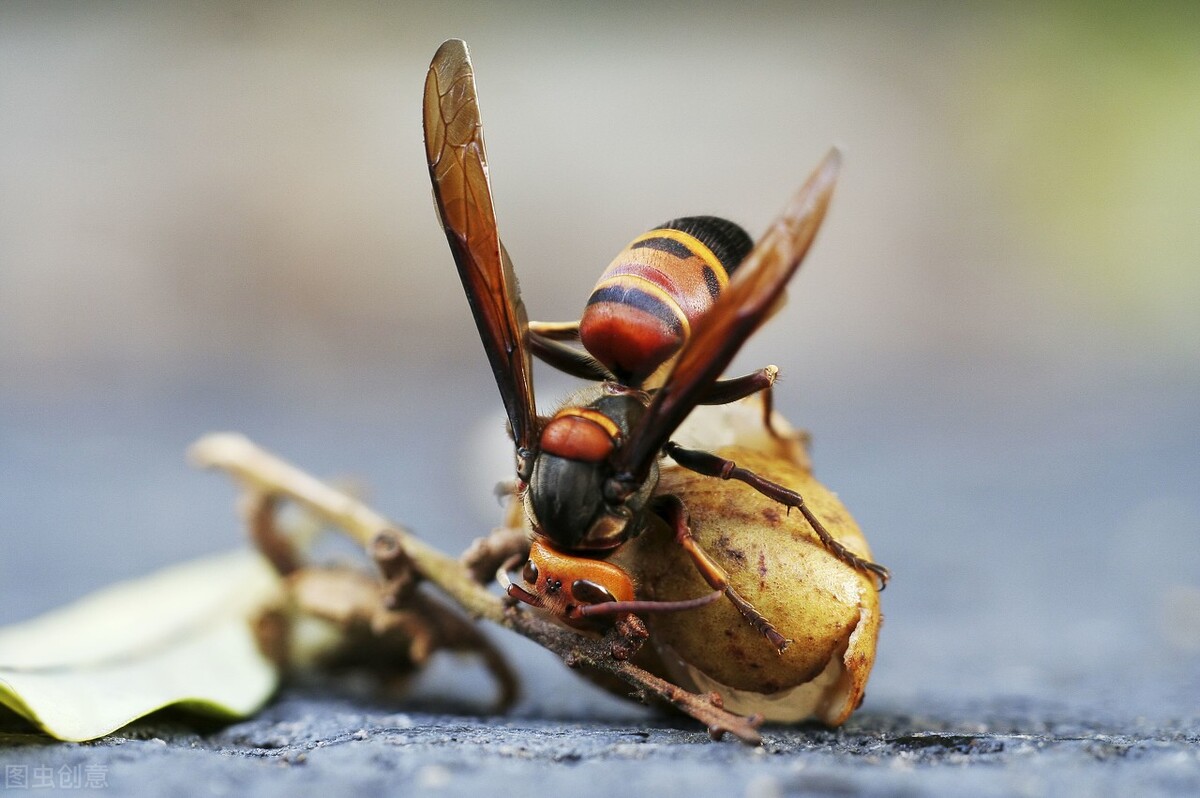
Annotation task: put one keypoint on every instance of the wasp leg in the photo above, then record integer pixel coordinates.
(713, 466)
(725, 391)
(506, 490)
(556, 330)
(544, 339)
(670, 509)
(722, 392)
(566, 359)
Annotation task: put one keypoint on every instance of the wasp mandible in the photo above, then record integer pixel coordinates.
(662, 325)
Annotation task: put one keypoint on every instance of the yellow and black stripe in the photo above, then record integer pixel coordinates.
(644, 305)
(727, 241)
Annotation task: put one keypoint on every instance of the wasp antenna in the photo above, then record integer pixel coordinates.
(621, 607)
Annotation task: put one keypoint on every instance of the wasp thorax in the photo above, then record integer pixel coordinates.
(568, 500)
(580, 433)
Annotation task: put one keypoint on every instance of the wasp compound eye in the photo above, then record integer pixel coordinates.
(530, 573)
(586, 591)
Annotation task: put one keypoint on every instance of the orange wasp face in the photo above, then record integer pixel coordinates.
(572, 588)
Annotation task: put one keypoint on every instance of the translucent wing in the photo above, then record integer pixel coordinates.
(462, 193)
(745, 304)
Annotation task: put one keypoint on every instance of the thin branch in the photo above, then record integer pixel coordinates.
(263, 473)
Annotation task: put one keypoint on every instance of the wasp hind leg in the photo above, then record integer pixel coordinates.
(670, 509)
(722, 392)
(713, 466)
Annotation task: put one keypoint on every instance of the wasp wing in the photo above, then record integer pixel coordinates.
(463, 195)
(750, 297)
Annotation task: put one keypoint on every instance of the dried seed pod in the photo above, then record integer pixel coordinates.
(828, 610)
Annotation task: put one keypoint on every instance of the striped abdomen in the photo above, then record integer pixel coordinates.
(643, 308)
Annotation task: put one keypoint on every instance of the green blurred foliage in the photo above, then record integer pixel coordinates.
(1087, 115)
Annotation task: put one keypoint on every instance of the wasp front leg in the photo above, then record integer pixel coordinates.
(670, 509)
(714, 466)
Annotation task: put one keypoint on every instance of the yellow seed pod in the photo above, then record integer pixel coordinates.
(774, 560)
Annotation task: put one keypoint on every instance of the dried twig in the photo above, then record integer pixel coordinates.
(265, 474)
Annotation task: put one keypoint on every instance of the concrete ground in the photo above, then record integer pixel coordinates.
(314, 744)
(1040, 634)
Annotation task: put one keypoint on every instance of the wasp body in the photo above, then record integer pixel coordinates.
(661, 326)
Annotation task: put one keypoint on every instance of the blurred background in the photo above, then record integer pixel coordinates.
(218, 217)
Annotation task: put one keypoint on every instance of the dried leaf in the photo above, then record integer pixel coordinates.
(185, 636)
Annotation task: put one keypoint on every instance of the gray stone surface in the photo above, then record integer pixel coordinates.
(1039, 638)
(308, 744)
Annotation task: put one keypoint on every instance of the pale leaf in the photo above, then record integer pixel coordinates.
(182, 636)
